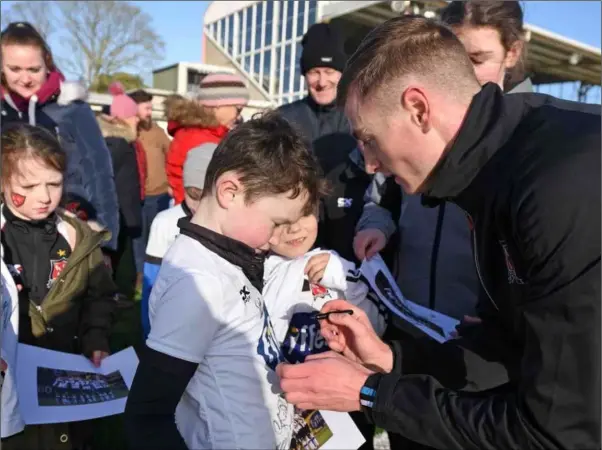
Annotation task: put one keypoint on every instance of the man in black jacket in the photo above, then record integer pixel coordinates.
(526, 169)
(325, 127)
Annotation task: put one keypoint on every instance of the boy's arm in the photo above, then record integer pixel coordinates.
(184, 324)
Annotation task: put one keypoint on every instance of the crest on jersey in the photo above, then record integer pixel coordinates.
(56, 267)
(319, 292)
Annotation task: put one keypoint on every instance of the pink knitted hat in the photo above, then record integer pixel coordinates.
(123, 106)
(222, 89)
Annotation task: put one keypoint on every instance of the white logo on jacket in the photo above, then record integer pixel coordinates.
(344, 202)
(513, 278)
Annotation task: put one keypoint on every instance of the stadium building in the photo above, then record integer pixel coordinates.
(261, 40)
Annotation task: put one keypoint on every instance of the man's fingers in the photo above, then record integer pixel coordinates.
(359, 246)
(285, 370)
(294, 384)
(324, 355)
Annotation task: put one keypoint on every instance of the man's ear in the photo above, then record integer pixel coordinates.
(513, 55)
(415, 102)
(227, 188)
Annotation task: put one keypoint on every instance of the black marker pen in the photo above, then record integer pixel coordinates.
(321, 316)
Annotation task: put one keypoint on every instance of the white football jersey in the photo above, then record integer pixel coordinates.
(204, 310)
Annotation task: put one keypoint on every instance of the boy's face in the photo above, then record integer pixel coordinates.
(257, 224)
(298, 238)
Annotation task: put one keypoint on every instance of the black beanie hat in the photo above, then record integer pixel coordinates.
(322, 47)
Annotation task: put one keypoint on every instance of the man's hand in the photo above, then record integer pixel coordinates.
(97, 357)
(354, 337)
(3, 365)
(368, 243)
(466, 322)
(316, 266)
(325, 381)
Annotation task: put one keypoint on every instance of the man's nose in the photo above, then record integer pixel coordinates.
(371, 162)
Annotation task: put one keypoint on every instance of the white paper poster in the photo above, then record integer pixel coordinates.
(324, 430)
(434, 324)
(56, 387)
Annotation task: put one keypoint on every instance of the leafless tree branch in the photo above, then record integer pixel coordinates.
(40, 14)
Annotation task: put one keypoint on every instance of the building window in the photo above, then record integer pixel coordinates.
(256, 63)
(313, 12)
(230, 29)
(301, 18)
(249, 31)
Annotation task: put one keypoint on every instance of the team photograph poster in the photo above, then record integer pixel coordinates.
(432, 323)
(56, 387)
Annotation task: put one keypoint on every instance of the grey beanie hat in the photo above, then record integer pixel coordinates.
(195, 167)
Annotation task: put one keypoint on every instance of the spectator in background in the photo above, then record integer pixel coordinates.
(33, 90)
(155, 143)
(205, 116)
(120, 130)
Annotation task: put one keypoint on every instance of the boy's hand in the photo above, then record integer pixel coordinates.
(97, 357)
(316, 266)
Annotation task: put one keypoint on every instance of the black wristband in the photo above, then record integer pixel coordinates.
(368, 391)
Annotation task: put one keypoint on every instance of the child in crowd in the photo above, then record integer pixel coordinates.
(297, 284)
(164, 228)
(65, 290)
(211, 353)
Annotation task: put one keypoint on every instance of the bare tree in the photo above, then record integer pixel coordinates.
(105, 37)
(96, 37)
(40, 14)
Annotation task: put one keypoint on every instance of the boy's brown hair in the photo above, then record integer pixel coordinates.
(407, 46)
(26, 141)
(271, 158)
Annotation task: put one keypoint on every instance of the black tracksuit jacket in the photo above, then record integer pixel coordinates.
(526, 169)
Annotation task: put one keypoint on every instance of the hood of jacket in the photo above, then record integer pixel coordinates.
(184, 113)
(116, 128)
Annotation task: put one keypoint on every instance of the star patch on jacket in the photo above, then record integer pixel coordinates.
(57, 265)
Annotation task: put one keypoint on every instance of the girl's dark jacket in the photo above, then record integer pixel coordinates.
(76, 315)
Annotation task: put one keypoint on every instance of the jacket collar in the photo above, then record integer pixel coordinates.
(233, 251)
(488, 125)
(320, 108)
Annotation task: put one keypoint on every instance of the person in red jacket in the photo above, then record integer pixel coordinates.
(203, 116)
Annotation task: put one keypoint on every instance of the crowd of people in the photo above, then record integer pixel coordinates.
(426, 146)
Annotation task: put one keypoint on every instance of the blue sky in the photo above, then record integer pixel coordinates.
(180, 23)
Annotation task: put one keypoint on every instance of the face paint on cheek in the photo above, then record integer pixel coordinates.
(17, 199)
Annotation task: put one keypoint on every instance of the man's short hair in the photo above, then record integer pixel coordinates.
(270, 157)
(407, 46)
(141, 96)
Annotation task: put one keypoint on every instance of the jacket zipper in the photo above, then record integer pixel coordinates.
(476, 260)
(435, 257)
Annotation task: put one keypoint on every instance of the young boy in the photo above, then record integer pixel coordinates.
(164, 228)
(297, 284)
(211, 353)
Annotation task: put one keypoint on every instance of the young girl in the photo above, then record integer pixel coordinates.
(65, 290)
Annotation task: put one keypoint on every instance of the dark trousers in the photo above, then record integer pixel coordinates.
(59, 436)
(153, 205)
